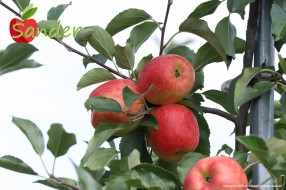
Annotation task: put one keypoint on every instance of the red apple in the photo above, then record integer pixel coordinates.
(23, 31)
(177, 135)
(172, 76)
(216, 173)
(113, 90)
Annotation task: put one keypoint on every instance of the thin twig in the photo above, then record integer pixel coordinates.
(10, 9)
(219, 113)
(61, 182)
(241, 121)
(71, 49)
(42, 161)
(170, 2)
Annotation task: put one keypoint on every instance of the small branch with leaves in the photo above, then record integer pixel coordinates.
(71, 49)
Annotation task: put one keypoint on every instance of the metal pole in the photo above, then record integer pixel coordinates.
(262, 116)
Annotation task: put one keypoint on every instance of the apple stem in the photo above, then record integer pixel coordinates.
(250, 165)
(164, 46)
(164, 27)
(141, 114)
(208, 179)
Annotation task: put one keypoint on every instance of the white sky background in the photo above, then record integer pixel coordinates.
(48, 94)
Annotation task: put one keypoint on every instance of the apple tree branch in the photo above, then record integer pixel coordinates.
(241, 120)
(71, 49)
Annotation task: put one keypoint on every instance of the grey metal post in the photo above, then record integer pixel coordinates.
(262, 115)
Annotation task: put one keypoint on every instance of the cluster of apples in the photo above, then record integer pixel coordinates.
(166, 80)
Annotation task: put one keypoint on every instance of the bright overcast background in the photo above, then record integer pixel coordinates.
(48, 94)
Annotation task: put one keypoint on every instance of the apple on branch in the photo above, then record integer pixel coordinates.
(173, 78)
(177, 135)
(113, 90)
(216, 173)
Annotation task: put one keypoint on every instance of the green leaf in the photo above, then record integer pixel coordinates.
(126, 19)
(204, 142)
(119, 166)
(186, 163)
(239, 45)
(98, 38)
(199, 81)
(205, 8)
(277, 146)
(22, 4)
(102, 133)
(59, 140)
(235, 6)
(51, 28)
(116, 181)
(129, 97)
(99, 160)
(257, 146)
(102, 42)
(271, 153)
(150, 176)
(55, 12)
(138, 143)
(140, 33)
(14, 55)
(185, 52)
(15, 164)
(241, 158)
(149, 121)
(278, 23)
(282, 63)
(226, 32)
(124, 56)
(239, 91)
(86, 181)
(28, 12)
(32, 132)
(279, 44)
(220, 98)
(94, 76)
(26, 64)
(97, 57)
(133, 159)
(207, 54)
(200, 28)
(102, 104)
(225, 148)
(249, 93)
(54, 184)
(280, 129)
(281, 3)
(83, 34)
(142, 63)
(192, 103)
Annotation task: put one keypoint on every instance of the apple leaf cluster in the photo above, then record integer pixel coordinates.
(133, 164)
(15, 57)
